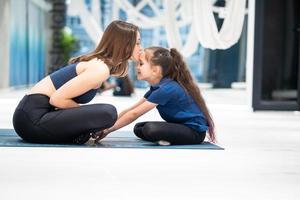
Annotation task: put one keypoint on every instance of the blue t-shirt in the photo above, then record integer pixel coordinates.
(176, 106)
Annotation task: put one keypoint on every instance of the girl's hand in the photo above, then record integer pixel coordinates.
(100, 135)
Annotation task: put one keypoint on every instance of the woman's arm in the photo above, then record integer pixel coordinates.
(95, 73)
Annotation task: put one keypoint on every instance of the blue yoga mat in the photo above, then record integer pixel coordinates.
(119, 139)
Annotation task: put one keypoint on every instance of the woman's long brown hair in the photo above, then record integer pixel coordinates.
(115, 48)
(174, 67)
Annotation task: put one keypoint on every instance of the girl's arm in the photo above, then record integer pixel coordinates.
(131, 116)
(126, 117)
(132, 107)
(95, 73)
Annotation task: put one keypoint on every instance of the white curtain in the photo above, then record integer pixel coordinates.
(5, 42)
(27, 43)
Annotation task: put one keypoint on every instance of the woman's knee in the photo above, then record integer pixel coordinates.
(111, 113)
(108, 113)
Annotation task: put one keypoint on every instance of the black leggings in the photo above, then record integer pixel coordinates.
(171, 132)
(37, 121)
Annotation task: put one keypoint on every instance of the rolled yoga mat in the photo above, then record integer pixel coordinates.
(118, 139)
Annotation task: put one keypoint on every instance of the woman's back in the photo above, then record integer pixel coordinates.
(46, 85)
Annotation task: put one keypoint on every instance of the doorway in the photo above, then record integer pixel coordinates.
(276, 55)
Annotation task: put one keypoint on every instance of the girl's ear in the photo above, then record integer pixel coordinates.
(157, 69)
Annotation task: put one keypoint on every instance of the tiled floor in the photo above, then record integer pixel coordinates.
(261, 160)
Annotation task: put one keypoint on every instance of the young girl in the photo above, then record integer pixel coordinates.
(177, 98)
(51, 112)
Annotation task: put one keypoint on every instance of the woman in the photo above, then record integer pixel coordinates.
(51, 111)
(177, 98)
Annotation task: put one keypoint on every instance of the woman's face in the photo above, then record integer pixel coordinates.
(137, 48)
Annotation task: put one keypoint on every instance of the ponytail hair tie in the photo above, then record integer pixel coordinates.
(174, 52)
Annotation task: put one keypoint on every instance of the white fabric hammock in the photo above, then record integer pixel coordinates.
(172, 31)
(198, 14)
(206, 28)
(203, 27)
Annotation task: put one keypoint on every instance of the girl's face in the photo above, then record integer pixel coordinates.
(137, 48)
(145, 71)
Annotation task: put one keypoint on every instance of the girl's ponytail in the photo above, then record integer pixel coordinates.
(182, 75)
(177, 60)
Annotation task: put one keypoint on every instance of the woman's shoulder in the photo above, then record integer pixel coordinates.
(95, 65)
(97, 62)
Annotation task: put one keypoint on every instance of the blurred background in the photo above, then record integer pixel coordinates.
(244, 55)
(252, 46)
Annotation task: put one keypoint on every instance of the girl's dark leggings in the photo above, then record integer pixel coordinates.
(37, 121)
(172, 132)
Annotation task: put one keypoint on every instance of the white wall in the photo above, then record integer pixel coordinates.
(4, 42)
(250, 51)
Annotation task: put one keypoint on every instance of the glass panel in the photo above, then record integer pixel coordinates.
(281, 53)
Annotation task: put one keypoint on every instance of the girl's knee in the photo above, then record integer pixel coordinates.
(149, 131)
(136, 129)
